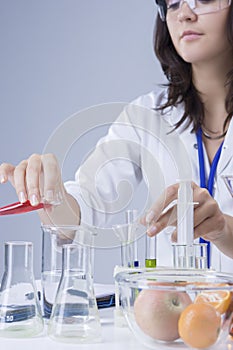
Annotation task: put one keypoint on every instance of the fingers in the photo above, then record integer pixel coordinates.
(208, 219)
(33, 174)
(211, 228)
(205, 209)
(43, 179)
(169, 218)
(53, 185)
(36, 179)
(19, 181)
(157, 219)
(165, 201)
(167, 197)
(6, 173)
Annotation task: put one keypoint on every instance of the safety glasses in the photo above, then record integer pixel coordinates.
(200, 7)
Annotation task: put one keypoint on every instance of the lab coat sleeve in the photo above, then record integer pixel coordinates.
(106, 181)
(139, 145)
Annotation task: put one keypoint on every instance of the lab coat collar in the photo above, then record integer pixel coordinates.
(227, 149)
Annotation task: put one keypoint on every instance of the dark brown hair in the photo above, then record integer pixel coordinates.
(179, 75)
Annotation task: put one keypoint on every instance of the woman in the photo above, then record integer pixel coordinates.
(193, 41)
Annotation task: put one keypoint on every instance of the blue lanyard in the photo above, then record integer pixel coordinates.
(210, 183)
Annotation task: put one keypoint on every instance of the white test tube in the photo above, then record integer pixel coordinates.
(183, 250)
(185, 213)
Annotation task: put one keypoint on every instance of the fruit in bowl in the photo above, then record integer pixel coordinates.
(193, 307)
(157, 312)
(199, 325)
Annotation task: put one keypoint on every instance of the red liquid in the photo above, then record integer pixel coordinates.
(19, 208)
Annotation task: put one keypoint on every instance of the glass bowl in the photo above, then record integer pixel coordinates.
(174, 308)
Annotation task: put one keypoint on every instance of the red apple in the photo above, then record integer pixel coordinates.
(157, 312)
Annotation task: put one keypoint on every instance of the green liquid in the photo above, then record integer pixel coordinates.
(150, 262)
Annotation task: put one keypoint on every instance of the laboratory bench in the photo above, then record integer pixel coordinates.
(113, 338)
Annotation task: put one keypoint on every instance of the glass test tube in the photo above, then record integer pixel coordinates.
(131, 217)
(190, 256)
(127, 236)
(151, 248)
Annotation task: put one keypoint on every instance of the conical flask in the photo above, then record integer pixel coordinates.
(74, 317)
(20, 312)
(53, 239)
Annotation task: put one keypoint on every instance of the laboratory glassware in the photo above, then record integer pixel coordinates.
(153, 301)
(131, 216)
(186, 253)
(127, 235)
(20, 311)
(74, 317)
(20, 208)
(151, 246)
(190, 256)
(53, 238)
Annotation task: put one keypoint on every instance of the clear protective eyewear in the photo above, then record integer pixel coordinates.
(199, 7)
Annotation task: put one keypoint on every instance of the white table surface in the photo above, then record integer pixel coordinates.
(113, 338)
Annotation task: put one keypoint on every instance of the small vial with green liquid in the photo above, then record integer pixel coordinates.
(150, 259)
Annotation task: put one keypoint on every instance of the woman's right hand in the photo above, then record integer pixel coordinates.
(36, 179)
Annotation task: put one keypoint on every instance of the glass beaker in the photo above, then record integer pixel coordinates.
(20, 312)
(53, 238)
(74, 316)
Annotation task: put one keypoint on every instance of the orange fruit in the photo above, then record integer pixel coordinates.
(199, 325)
(219, 299)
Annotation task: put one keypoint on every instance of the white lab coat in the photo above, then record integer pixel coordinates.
(140, 147)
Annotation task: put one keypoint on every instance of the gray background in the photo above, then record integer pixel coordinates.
(56, 58)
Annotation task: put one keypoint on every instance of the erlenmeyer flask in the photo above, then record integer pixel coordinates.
(20, 312)
(74, 317)
(53, 239)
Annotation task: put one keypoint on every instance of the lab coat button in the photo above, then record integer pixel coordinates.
(195, 146)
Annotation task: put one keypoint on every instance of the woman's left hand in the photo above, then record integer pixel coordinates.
(209, 221)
